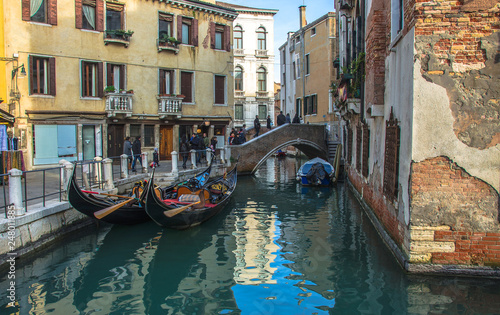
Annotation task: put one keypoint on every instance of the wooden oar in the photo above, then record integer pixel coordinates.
(171, 213)
(98, 193)
(104, 212)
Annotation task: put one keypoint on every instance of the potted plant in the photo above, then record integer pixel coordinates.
(109, 89)
(130, 91)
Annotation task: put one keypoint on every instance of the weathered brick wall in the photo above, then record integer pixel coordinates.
(454, 216)
(376, 50)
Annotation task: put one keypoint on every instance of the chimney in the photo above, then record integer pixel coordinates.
(302, 12)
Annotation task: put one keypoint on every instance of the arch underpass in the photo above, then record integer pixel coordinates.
(310, 139)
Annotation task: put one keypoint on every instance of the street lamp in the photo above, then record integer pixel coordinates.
(14, 91)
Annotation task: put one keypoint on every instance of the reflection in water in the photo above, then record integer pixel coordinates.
(278, 247)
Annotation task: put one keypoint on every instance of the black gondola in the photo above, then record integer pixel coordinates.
(132, 212)
(181, 213)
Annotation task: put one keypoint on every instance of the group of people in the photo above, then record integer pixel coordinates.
(238, 137)
(199, 143)
(134, 152)
(282, 119)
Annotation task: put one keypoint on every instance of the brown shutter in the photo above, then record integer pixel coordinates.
(78, 14)
(30, 74)
(122, 77)
(227, 37)
(100, 79)
(52, 73)
(109, 74)
(219, 89)
(162, 82)
(186, 88)
(52, 12)
(194, 27)
(179, 28)
(212, 35)
(99, 23)
(26, 10)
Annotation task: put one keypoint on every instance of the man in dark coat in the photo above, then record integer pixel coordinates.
(256, 125)
(281, 119)
(136, 149)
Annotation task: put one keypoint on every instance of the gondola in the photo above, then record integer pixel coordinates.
(132, 209)
(316, 172)
(201, 204)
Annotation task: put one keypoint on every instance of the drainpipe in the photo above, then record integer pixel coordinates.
(303, 23)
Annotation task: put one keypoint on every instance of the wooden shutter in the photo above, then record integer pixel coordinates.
(179, 28)
(99, 19)
(212, 35)
(219, 89)
(78, 14)
(358, 147)
(194, 30)
(52, 12)
(52, 74)
(122, 77)
(30, 74)
(100, 79)
(366, 149)
(26, 10)
(227, 37)
(391, 159)
(109, 74)
(186, 86)
(349, 145)
(162, 82)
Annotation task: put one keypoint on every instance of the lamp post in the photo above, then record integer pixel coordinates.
(14, 91)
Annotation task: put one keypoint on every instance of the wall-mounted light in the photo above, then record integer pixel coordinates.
(22, 74)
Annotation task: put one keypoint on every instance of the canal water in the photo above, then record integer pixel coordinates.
(278, 248)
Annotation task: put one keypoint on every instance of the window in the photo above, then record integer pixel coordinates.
(149, 135)
(42, 75)
(89, 14)
(115, 76)
(261, 79)
(187, 86)
(261, 38)
(298, 106)
(114, 16)
(53, 142)
(220, 90)
(166, 82)
(313, 31)
(238, 111)
(358, 147)
(165, 23)
(262, 111)
(294, 69)
(238, 79)
(187, 30)
(366, 149)
(91, 79)
(310, 104)
(307, 65)
(298, 68)
(238, 37)
(397, 17)
(42, 11)
(219, 37)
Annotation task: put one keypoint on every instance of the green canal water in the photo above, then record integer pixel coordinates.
(278, 248)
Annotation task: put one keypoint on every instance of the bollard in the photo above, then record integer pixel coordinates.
(67, 172)
(193, 159)
(145, 162)
(108, 174)
(175, 162)
(123, 166)
(16, 192)
(209, 155)
(97, 170)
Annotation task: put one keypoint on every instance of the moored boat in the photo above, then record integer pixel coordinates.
(182, 207)
(316, 172)
(121, 209)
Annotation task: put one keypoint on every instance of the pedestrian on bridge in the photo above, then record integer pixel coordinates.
(281, 120)
(288, 120)
(296, 119)
(269, 122)
(256, 125)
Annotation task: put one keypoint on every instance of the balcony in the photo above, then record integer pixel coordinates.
(261, 53)
(169, 105)
(168, 44)
(262, 94)
(239, 94)
(239, 52)
(117, 37)
(119, 103)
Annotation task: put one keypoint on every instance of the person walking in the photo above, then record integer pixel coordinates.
(281, 119)
(256, 125)
(196, 144)
(184, 151)
(296, 119)
(127, 149)
(137, 151)
(288, 120)
(269, 122)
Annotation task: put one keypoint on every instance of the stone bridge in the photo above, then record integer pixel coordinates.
(310, 139)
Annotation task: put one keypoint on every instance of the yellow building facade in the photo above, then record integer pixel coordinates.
(98, 71)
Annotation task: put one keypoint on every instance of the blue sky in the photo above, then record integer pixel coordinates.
(287, 18)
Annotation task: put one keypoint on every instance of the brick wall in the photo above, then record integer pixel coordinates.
(376, 50)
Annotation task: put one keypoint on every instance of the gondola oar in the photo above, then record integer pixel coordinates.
(171, 213)
(104, 212)
(98, 193)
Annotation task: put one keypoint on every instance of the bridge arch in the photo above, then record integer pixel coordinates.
(310, 139)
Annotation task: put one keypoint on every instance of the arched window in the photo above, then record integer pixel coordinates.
(238, 79)
(238, 37)
(261, 38)
(261, 79)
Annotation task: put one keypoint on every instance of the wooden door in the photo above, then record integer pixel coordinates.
(115, 142)
(166, 142)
